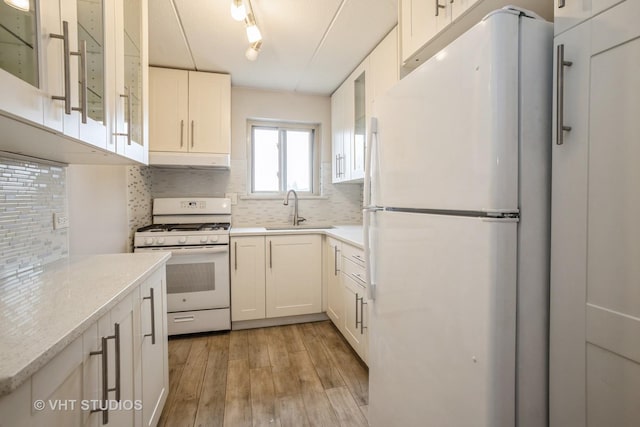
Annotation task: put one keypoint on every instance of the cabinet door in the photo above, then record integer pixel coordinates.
(209, 113)
(595, 357)
(337, 133)
(458, 7)
(568, 234)
(335, 297)
(128, 112)
(357, 119)
(569, 13)
(383, 66)
(155, 369)
(294, 275)
(419, 22)
(122, 322)
(247, 278)
(168, 109)
(91, 30)
(353, 292)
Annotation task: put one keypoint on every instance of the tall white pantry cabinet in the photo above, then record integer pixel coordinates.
(595, 273)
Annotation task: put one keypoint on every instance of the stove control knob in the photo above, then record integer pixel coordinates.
(160, 240)
(149, 241)
(203, 239)
(213, 239)
(182, 240)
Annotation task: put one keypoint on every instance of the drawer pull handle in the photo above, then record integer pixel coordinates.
(151, 299)
(183, 319)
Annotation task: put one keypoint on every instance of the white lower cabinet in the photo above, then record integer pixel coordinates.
(294, 275)
(275, 276)
(101, 369)
(248, 278)
(154, 349)
(347, 305)
(335, 293)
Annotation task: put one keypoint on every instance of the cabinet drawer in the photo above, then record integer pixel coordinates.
(185, 322)
(353, 254)
(354, 271)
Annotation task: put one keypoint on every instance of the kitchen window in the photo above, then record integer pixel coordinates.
(283, 157)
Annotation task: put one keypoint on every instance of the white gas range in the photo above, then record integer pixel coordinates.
(196, 231)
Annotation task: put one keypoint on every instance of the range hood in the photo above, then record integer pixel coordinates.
(189, 160)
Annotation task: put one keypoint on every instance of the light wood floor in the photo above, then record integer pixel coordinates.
(295, 375)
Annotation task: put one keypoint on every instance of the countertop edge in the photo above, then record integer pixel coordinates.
(336, 233)
(11, 383)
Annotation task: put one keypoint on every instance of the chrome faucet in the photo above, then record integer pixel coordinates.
(296, 219)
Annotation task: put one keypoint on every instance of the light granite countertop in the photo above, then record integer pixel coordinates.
(45, 310)
(351, 234)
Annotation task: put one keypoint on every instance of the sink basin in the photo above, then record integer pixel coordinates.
(300, 227)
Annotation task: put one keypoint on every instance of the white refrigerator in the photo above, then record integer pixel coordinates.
(457, 233)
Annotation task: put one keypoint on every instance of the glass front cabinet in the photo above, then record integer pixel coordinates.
(75, 67)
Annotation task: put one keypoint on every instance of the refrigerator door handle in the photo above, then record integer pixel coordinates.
(368, 173)
(370, 282)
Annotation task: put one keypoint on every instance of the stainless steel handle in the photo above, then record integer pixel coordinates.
(67, 67)
(270, 255)
(104, 408)
(561, 4)
(181, 133)
(560, 126)
(151, 299)
(182, 319)
(357, 257)
(439, 6)
(362, 304)
(192, 131)
(358, 277)
(337, 170)
(335, 260)
(84, 102)
(129, 104)
(344, 164)
(235, 254)
(357, 299)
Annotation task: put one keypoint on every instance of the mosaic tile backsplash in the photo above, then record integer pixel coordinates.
(138, 199)
(30, 193)
(340, 204)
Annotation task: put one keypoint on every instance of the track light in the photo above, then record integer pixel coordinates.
(22, 5)
(253, 32)
(238, 10)
(253, 50)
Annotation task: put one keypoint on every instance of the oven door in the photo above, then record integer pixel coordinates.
(197, 277)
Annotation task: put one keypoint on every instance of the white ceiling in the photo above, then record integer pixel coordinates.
(309, 46)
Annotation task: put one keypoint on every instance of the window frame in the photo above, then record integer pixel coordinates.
(282, 127)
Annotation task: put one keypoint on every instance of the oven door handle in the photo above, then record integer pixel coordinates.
(188, 251)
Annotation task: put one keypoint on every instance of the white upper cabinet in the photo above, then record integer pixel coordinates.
(427, 26)
(58, 66)
(190, 116)
(569, 13)
(351, 108)
(129, 135)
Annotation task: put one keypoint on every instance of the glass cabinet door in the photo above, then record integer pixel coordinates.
(360, 125)
(91, 30)
(133, 68)
(18, 39)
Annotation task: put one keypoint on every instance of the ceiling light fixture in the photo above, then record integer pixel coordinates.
(253, 51)
(22, 5)
(253, 32)
(238, 10)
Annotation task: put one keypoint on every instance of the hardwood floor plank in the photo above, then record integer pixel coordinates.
(238, 345)
(292, 338)
(263, 399)
(348, 413)
(237, 411)
(292, 412)
(326, 370)
(278, 355)
(353, 371)
(185, 405)
(307, 331)
(179, 348)
(365, 411)
(285, 381)
(175, 372)
(258, 349)
(212, 399)
(316, 403)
